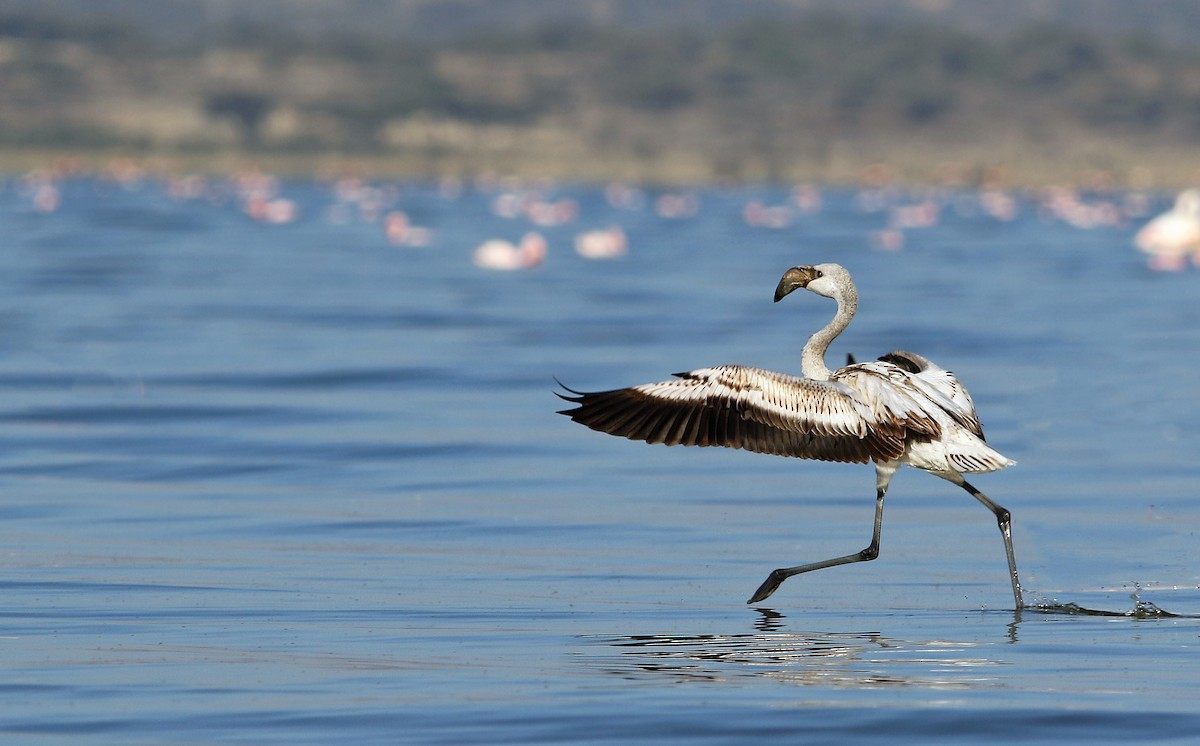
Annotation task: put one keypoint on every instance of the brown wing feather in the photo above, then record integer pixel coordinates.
(747, 408)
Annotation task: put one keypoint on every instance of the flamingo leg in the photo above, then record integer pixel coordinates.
(1004, 519)
(776, 578)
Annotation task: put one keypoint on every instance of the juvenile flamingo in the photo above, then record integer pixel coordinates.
(899, 409)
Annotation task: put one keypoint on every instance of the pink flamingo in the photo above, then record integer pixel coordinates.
(1174, 235)
(758, 215)
(400, 231)
(607, 243)
(275, 211)
(504, 255)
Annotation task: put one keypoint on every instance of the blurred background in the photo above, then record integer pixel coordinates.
(957, 91)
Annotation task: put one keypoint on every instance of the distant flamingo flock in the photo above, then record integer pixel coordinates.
(543, 217)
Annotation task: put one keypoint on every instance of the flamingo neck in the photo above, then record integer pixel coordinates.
(812, 360)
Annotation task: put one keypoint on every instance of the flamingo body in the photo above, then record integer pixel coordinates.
(1172, 236)
(607, 243)
(498, 254)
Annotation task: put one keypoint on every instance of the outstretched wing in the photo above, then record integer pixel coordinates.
(756, 410)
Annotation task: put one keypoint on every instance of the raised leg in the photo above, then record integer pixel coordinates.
(1004, 519)
(776, 578)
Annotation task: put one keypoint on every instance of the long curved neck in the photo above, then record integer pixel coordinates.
(812, 360)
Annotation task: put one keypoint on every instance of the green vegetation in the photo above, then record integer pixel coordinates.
(820, 97)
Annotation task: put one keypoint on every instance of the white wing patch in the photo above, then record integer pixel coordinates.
(782, 401)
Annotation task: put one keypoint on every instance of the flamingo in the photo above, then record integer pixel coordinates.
(899, 409)
(606, 243)
(504, 255)
(276, 211)
(758, 215)
(400, 231)
(1170, 237)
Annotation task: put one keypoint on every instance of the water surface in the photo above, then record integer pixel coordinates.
(290, 483)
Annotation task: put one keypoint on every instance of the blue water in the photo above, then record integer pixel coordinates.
(289, 483)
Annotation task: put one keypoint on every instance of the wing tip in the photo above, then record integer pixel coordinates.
(572, 396)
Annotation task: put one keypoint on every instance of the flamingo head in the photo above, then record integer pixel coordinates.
(823, 279)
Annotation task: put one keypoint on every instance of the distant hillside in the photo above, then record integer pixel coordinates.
(799, 95)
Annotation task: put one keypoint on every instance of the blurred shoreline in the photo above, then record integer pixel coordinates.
(915, 166)
(829, 98)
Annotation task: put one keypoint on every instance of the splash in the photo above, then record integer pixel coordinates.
(1141, 609)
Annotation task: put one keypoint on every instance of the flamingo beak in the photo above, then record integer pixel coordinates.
(796, 277)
